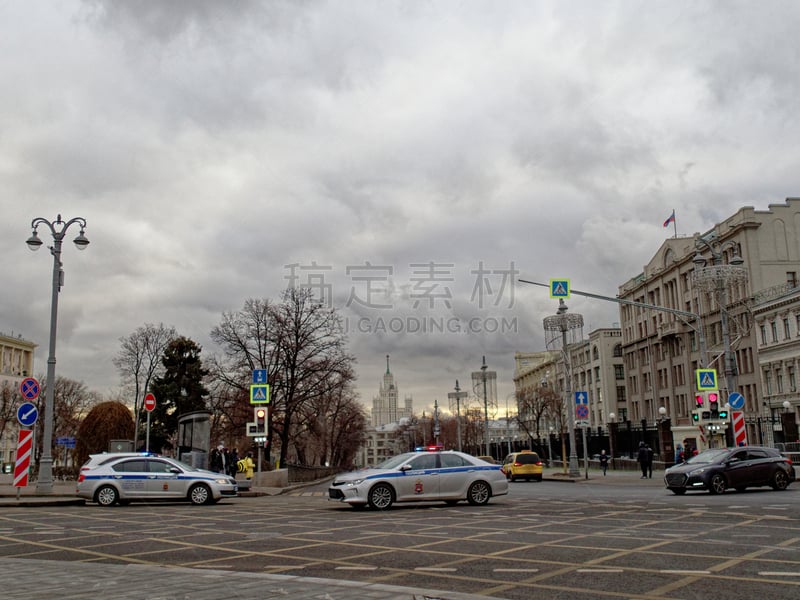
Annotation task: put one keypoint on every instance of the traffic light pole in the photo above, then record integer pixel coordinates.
(674, 311)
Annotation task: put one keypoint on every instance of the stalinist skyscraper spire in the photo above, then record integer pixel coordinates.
(385, 407)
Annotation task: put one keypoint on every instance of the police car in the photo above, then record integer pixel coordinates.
(423, 476)
(127, 478)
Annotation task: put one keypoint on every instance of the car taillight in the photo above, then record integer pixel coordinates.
(517, 464)
(538, 463)
(81, 477)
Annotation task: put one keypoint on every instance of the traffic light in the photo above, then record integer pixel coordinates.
(723, 414)
(699, 400)
(261, 420)
(696, 416)
(713, 403)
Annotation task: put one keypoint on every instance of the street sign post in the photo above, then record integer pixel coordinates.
(23, 463)
(259, 393)
(29, 388)
(27, 414)
(149, 404)
(581, 409)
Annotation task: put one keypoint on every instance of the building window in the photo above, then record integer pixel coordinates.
(786, 333)
(792, 379)
(791, 279)
(779, 381)
(768, 382)
(774, 326)
(619, 372)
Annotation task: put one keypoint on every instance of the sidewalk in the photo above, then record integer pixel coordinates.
(621, 477)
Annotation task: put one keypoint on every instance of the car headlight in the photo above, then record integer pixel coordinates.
(354, 482)
(222, 481)
(698, 471)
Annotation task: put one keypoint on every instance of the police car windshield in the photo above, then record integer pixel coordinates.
(396, 461)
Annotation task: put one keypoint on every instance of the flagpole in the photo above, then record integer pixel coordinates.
(674, 223)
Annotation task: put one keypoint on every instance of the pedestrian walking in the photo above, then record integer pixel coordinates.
(603, 461)
(233, 461)
(650, 454)
(248, 465)
(642, 459)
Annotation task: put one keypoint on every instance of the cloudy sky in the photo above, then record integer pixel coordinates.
(409, 159)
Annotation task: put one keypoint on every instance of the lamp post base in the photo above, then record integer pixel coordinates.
(44, 483)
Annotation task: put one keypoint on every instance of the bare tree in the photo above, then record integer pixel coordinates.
(313, 362)
(301, 345)
(330, 429)
(139, 361)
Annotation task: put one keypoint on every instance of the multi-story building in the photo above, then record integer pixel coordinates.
(776, 314)
(662, 350)
(385, 406)
(16, 363)
(597, 369)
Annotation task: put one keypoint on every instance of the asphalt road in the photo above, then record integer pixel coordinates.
(543, 540)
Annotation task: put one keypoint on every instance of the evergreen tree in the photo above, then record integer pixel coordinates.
(179, 390)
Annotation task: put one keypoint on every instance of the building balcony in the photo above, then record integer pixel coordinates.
(671, 328)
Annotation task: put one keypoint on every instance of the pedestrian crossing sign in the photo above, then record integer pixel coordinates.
(706, 380)
(259, 393)
(559, 288)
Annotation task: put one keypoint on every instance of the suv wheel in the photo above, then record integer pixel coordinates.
(780, 480)
(717, 484)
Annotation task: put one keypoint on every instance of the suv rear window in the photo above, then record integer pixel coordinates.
(528, 458)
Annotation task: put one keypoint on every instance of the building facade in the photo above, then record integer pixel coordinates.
(16, 363)
(776, 313)
(662, 350)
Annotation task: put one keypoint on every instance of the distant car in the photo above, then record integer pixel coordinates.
(423, 476)
(739, 468)
(488, 459)
(127, 478)
(523, 465)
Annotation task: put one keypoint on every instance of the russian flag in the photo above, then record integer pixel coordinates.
(671, 219)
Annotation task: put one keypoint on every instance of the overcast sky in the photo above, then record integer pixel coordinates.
(410, 158)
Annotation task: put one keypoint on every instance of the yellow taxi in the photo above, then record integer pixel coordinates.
(522, 465)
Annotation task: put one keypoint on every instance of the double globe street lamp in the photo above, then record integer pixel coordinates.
(58, 229)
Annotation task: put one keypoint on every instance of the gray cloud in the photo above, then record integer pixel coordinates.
(209, 145)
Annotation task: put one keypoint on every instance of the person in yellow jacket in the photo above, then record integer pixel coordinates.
(249, 465)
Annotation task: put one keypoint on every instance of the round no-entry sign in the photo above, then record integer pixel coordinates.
(149, 402)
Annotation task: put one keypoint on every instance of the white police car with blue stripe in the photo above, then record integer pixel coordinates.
(130, 478)
(428, 475)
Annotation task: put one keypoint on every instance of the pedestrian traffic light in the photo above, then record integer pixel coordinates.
(261, 420)
(699, 400)
(713, 403)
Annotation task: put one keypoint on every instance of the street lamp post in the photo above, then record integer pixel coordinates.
(717, 277)
(58, 228)
(457, 396)
(485, 406)
(563, 322)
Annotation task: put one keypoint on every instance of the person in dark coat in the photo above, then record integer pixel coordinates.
(642, 459)
(603, 461)
(650, 454)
